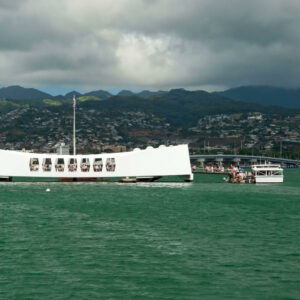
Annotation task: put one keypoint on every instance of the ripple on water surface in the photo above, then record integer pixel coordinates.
(163, 240)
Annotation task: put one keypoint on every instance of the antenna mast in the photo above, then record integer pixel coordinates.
(74, 123)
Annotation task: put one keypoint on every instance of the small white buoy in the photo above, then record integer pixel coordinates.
(48, 190)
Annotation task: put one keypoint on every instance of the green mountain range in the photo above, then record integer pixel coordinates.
(265, 95)
(19, 93)
(178, 106)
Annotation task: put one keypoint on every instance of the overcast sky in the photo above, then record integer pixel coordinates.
(58, 45)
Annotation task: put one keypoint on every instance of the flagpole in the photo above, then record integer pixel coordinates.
(74, 122)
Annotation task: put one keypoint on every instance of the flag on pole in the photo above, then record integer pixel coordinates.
(74, 102)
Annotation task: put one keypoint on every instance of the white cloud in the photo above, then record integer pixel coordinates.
(146, 60)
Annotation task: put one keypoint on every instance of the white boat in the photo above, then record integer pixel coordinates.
(267, 173)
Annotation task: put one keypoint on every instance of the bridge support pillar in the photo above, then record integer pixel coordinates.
(219, 161)
(253, 161)
(237, 161)
(201, 162)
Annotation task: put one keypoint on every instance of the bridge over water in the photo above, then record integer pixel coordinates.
(243, 160)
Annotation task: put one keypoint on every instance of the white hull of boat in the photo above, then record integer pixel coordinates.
(269, 179)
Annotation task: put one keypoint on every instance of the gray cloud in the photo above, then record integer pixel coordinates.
(149, 44)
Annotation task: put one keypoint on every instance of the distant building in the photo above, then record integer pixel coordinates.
(62, 149)
(255, 116)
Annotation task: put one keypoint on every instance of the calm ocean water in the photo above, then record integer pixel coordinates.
(201, 240)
